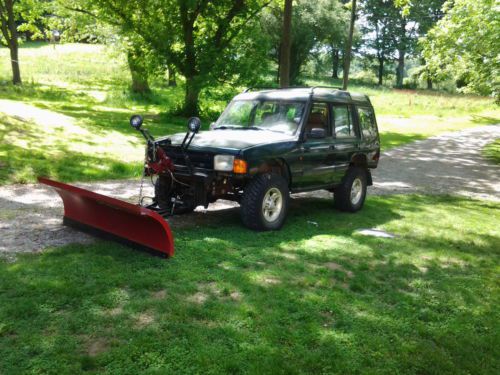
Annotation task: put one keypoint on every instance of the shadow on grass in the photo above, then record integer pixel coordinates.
(391, 139)
(113, 112)
(30, 92)
(492, 151)
(315, 299)
(51, 153)
(27, 152)
(23, 166)
(485, 120)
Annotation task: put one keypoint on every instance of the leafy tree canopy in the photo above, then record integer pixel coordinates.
(464, 45)
(199, 37)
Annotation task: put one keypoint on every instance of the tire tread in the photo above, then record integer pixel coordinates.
(251, 202)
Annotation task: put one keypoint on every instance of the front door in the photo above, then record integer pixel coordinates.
(314, 152)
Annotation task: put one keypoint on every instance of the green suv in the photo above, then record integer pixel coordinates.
(264, 146)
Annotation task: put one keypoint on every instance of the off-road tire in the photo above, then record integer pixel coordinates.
(252, 202)
(163, 197)
(342, 193)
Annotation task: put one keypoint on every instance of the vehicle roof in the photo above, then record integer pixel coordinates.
(304, 93)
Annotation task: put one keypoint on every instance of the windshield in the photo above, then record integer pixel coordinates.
(273, 115)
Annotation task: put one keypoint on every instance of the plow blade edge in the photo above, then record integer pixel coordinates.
(114, 219)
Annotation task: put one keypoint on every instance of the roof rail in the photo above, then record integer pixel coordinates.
(325, 87)
(290, 87)
(262, 88)
(273, 88)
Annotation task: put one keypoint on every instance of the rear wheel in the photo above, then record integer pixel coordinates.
(350, 195)
(164, 192)
(264, 204)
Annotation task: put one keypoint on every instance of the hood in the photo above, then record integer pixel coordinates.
(230, 139)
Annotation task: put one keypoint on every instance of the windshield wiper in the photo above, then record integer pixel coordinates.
(261, 128)
(223, 127)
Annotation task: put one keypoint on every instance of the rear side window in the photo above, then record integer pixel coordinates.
(318, 118)
(342, 118)
(367, 123)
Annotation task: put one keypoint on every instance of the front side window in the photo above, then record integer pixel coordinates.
(342, 117)
(272, 115)
(367, 123)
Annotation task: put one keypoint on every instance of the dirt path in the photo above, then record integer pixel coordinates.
(450, 163)
(30, 215)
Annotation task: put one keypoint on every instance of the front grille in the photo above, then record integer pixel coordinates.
(198, 159)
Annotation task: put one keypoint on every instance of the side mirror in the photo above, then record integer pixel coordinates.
(317, 133)
(212, 126)
(136, 121)
(194, 124)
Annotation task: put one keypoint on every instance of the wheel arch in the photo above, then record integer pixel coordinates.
(359, 160)
(277, 166)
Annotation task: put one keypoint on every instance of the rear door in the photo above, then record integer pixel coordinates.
(370, 142)
(345, 138)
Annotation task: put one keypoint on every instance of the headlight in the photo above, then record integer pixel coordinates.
(223, 163)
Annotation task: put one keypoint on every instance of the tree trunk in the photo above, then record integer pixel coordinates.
(381, 61)
(172, 82)
(138, 72)
(192, 93)
(400, 69)
(286, 45)
(14, 60)
(140, 84)
(427, 74)
(278, 73)
(191, 99)
(429, 83)
(341, 62)
(9, 32)
(348, 49)
(335, 63)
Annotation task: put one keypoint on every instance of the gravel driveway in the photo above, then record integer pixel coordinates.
(30, 215)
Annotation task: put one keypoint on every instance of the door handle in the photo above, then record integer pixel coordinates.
(332, 147)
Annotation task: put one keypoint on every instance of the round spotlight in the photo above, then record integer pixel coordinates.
(194, 124)
(136, 121)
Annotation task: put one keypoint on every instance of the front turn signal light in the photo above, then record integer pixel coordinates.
(239, 166)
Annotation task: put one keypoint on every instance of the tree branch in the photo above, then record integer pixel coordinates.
(89, 13)
(222, 44)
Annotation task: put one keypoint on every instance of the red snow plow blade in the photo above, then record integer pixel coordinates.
(114, 219)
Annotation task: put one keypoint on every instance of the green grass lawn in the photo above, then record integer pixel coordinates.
(307, 299)
(74, 123)
(492, 151)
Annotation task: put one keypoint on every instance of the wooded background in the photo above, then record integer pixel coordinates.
(431, 44)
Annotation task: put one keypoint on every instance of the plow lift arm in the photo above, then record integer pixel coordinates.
(115, 219)
(194, 125)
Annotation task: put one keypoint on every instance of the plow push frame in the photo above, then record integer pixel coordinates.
(140, 226)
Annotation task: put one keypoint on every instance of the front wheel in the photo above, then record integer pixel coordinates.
(350, 195)
(264, 204)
